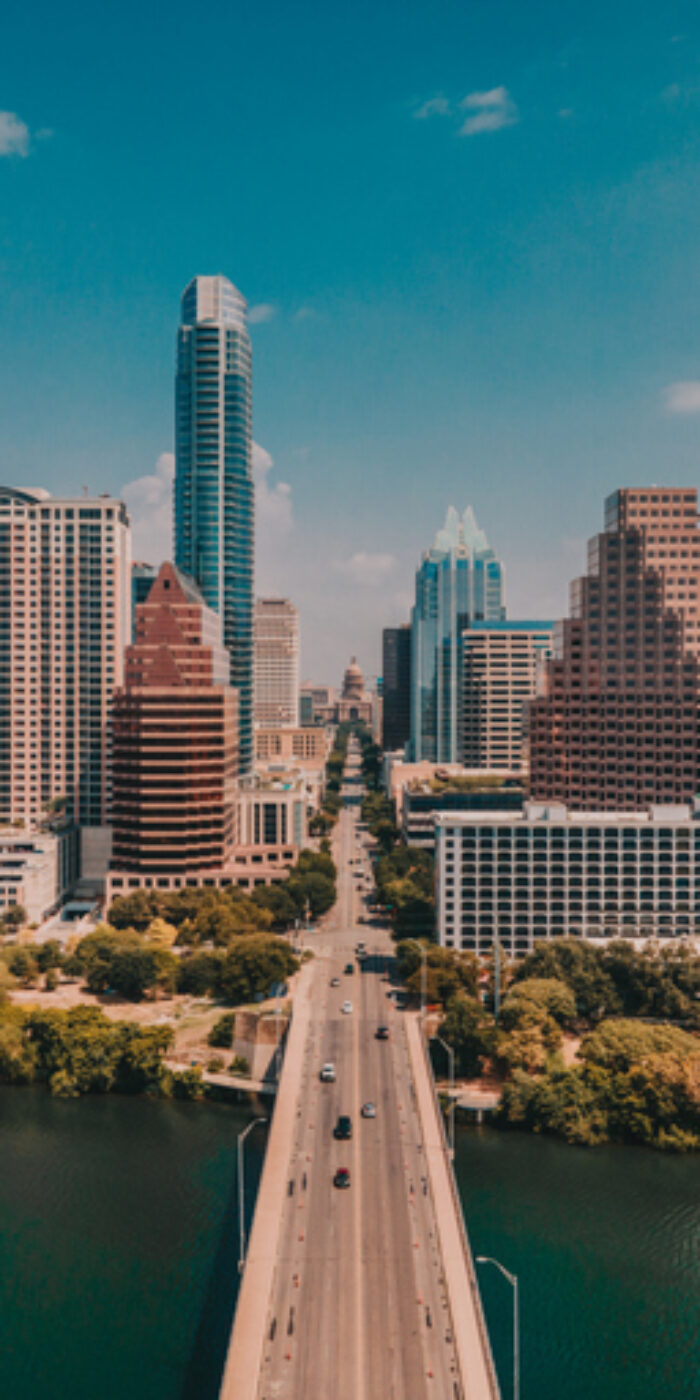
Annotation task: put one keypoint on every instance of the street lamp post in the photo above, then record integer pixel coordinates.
(241, 1190)
(423, 982)
(513, 1281)
(451, 1060)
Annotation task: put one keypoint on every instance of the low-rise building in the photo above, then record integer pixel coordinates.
(478, 792)
(299, 746)
(547, 872)
(37, 870)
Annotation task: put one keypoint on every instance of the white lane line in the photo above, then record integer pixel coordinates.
(359, 1308)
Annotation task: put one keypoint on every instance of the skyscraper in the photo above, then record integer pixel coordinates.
(459, 581)
(175, 738)
(396, 686)
(65, 618)
(501, 661)
(276, 663)
(214, 498)
(616, 727)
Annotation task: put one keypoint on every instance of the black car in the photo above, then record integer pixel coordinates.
(343, 1128)
(349, 968)
(341, 1178)
(382, 1033)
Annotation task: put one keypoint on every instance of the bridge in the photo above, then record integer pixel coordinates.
(369, 1292)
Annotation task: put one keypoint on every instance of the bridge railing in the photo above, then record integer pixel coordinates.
(461, 1226)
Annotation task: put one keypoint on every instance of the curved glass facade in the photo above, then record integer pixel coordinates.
(214, 493)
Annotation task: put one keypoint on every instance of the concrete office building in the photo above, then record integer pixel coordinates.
(460, 581)
(616, 725)
(214, 494)
(547, 872)
(276, 663)
(420, 802)
(65, 618)
(301, 745)
(37, 870)
(175, 738)
(396, 686)
(501, 663)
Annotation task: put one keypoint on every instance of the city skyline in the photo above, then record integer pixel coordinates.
(503, 320)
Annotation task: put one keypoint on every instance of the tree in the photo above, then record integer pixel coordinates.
(199, 973)
(278, 902)
(15, 916)
(133, 911)
(581, 967)
(161, 933)
(253, 965)
(471, 1032)
(314, 889)
(222, 1032)
(546, 995)
(23, 965)
(48, 955)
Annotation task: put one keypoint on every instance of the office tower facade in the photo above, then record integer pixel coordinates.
(276, 634)
(175, 738)
(616, 725)
(65, 618)
(460, 581)
(557, 872)
(501, 662)
(396, 686)
(214, 494)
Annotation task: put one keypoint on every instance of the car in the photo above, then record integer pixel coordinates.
(381, 1033)
(349, 969)
(346, 1008)
(327, 1075)
(335, 981)
(360, 948)
(342, 1178)
(368, 1110)
(343, 1128)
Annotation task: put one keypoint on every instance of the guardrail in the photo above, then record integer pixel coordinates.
(464, 1237)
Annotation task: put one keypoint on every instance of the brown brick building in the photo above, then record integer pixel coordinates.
(616, 725)
(175, 738)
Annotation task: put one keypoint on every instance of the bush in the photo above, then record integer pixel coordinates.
(215, 1065)
(239, 1065)
(222, 1032)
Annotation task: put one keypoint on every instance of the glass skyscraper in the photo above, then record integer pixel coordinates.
(459, 581)
(214, 502)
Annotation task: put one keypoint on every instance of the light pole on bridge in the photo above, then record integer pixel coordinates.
(241, 1189)
(451, 1061)
(513, 1281)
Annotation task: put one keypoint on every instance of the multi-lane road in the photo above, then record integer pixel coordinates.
(358, 1308)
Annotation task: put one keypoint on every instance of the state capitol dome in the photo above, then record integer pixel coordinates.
(353, 682)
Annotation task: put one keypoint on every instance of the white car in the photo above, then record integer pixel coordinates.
(328, 1074)
(368, 1110)
(346, 1008)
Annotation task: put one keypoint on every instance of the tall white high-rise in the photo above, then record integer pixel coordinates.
(65, 619)
(214, 494)
(276, 663)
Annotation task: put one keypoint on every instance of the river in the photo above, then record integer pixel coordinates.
(118, 1252)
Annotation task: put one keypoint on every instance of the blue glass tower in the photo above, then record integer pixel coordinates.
(214, 494)
(459, 581)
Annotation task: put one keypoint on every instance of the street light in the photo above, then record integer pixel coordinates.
(241, 1190)
(451, 1059)
(513, 1281)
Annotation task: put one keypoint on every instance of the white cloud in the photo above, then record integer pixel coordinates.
(367, 569)
(306, 313)
(565, 112)
(149, 500)
(671, 93)
(273, 504)
(491, 110)
(683, 397)
(434, 107)
(14, 135)
(263, 311)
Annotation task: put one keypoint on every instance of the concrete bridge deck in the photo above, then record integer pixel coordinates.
(365, 1293)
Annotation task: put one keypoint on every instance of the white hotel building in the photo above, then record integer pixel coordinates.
(548, 872)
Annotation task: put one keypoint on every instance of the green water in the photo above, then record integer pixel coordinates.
(118, 1251)
(118, 1246)
(606, 1246)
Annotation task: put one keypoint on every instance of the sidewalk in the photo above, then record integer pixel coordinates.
(471, 1338)
(244, 1360)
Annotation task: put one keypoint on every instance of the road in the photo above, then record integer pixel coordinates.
(358, 1308)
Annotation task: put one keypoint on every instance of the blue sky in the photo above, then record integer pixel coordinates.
(470, 235)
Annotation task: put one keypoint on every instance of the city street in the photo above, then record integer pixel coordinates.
(358, 1306)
